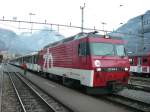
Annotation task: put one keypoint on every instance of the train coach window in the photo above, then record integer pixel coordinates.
(35, 59)
(139, 60)
(145, 60)
(131, 61)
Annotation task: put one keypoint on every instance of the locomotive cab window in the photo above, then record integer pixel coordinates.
(120, 50)
(107, 49)
(102, 49)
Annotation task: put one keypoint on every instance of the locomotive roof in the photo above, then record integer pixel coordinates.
(75, 37)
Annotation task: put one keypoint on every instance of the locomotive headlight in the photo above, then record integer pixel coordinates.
(98, 69)
(97, 63)
(130, 60)
(126, 69)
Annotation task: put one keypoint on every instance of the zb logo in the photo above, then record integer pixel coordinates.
(48, 59)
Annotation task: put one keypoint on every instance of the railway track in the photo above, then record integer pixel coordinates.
(29, 97)
(140, 79)
(139, 87)
(139, 84)
(136, 105)
(9, 99)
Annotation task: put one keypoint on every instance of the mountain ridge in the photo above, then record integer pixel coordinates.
(26, 43)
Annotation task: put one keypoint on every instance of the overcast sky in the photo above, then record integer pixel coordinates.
(66, 11)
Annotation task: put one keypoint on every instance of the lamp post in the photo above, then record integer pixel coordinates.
(142, 34)
(31, 14)
(103, 25)
(120, 6)
(82, 17)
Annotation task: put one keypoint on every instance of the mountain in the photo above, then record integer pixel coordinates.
(7, 38)
(26, 42)
(137, 34)
(2, 46)
(38, 40)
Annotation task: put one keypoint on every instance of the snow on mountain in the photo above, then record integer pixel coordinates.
(38, 40)
(26, 42)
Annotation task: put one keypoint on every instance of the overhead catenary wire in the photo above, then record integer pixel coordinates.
(62, 25)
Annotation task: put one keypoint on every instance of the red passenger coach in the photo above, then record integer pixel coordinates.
(140, 65)
(98, 63)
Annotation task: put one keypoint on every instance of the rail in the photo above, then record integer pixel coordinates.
(29, 91)
(55, 104)
(24, 110)
(129, 102)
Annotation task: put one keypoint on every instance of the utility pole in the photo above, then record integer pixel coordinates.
(82, 17)
(31, 14)
(142, 36)
(103, 25)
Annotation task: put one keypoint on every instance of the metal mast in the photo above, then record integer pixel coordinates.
(82, 17)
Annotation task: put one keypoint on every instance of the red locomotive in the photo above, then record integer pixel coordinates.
(100, 64)
(140, 65)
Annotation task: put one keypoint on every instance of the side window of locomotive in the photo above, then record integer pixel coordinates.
(82, 49)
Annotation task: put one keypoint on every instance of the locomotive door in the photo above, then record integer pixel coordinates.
(82, 53)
